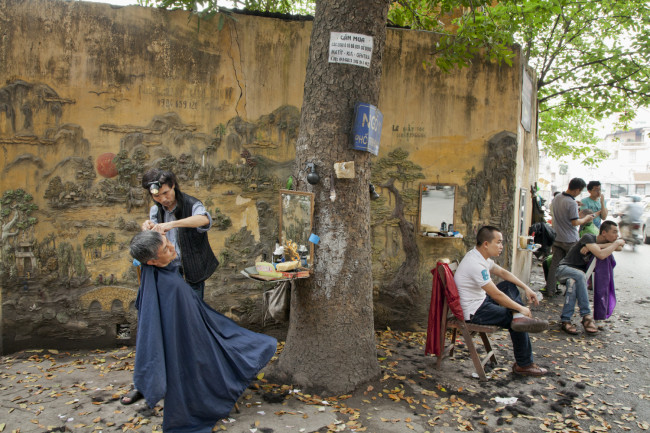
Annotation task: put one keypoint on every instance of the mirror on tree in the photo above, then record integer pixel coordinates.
(296, 218)
(436, 209)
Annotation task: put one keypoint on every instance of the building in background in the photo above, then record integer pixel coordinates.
(625, 172)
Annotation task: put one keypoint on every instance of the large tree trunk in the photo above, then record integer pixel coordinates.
(330, 344)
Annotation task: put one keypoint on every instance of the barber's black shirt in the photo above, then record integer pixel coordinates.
(577, 260)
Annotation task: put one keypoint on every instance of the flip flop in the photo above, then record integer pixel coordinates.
(132, 396)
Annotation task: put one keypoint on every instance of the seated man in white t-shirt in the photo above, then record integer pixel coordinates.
(485, 303)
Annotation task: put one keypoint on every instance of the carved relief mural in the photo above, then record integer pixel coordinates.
(92, 205)
(89, 110)
(489, 193)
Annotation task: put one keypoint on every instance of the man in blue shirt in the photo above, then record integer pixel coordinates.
(595, 203)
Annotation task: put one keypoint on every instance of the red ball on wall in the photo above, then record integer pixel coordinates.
(105, 165)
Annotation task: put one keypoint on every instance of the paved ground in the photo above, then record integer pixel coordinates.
(597, 384)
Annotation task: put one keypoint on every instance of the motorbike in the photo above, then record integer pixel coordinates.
(632, 234)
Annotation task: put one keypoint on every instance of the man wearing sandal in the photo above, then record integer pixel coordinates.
(566, 220)
(572, 269)
(486, 303)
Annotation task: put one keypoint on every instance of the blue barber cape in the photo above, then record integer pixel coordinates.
(195, 358)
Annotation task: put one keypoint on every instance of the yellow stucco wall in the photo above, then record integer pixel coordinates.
(82, 79)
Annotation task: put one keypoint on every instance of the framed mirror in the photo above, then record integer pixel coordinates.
(522, 212)
(296, 219)
(436, 208)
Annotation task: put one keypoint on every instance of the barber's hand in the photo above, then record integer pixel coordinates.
(148, 225)
(525, 311)
(584, 250)
(620, 242)
(163, 228)
(589, 218)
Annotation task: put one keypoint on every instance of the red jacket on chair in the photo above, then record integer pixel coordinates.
(434, 343)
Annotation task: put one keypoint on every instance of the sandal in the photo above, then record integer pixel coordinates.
(588, 324)
(569, 328)
(131, 397)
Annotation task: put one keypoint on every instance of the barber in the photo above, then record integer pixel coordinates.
(185, 222)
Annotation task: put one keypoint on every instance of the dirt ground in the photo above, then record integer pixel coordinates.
(596, 384)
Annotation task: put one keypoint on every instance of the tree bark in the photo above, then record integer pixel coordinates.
(330, 344)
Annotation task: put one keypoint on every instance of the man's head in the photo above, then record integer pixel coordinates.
(609, 231)
(489, 241)
(594, 189)
(152, 248)
(576, 185)
(162, 186)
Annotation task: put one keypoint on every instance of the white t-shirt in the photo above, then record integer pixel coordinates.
(473, 273)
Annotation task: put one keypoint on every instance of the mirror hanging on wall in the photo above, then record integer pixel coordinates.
(296, 220)
(436, 209)
(522, 213)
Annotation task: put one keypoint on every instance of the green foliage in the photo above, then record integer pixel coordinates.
(20, 199)
(472, 32)
(220, 130)
(21, 202)
(591, 62)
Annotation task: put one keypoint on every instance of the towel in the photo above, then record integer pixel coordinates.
(604, 291)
